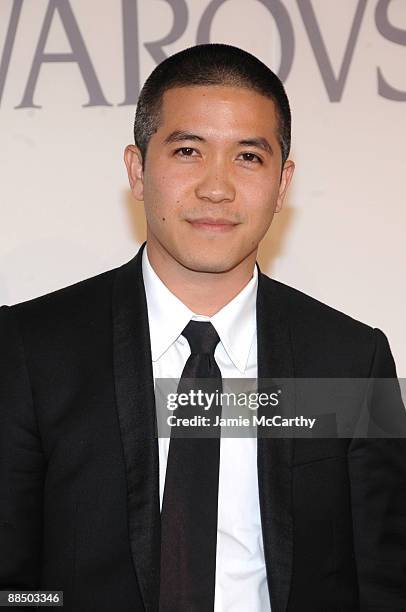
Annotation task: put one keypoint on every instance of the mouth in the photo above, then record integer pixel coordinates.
(209, 224)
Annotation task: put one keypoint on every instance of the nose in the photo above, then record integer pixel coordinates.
(216, 184)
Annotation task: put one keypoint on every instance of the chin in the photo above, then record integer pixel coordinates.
(209, 265)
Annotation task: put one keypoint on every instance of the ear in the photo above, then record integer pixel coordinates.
(286, 177)
(133, 162)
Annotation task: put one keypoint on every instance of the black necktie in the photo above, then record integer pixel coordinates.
(189, 508)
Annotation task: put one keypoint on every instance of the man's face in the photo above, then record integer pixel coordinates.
(212, 180)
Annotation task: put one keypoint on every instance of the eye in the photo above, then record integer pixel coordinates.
(251, 157)
(185, 151)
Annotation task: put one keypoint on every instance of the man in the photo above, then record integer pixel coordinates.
(92, 503)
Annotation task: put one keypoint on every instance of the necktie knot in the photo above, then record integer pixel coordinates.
(202, 337)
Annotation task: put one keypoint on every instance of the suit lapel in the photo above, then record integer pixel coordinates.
(275, 360)
(136, 413)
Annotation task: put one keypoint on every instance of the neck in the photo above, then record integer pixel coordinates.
(205, 293)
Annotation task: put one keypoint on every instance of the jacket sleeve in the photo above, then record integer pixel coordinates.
(22, 465)
(377, 469)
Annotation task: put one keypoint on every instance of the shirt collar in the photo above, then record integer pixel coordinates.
(235, 323)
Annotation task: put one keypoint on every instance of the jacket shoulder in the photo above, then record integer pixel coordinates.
(77, 304)
(303, 307)
(322, 336)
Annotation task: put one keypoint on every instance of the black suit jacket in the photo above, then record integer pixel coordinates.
(79, 497)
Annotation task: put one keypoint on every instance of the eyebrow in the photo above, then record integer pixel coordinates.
(179, 135)
(258, 142)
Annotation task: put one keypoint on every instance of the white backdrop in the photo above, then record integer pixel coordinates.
(66, 210)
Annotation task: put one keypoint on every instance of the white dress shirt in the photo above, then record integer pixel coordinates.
(241, 582)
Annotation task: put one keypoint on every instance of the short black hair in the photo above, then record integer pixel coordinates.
(209, 64)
